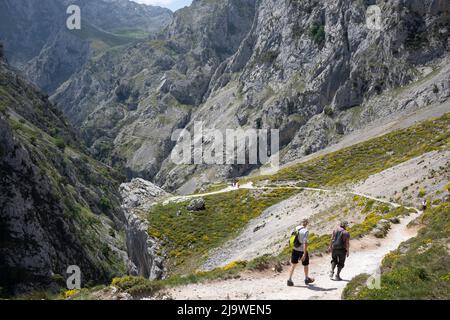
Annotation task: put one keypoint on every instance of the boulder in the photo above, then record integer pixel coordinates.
(394, 220)
(140, 193)
(381, 229)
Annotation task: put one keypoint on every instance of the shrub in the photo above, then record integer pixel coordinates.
(317, 34)
(260, 263)
(328, 111)
(60, 143)
(137, 286)
(69, 293)
(123, 92)
(419, 269)
(105, 203)
(268, 57)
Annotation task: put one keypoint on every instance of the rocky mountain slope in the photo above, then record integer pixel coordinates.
(129, 103)
(38, 42)
(58, 206)
(315, 71)
(312, 69)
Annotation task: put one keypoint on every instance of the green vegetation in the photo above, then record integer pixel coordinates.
(103, 41)
(317, 33)
(139, 286)
(268, 57)
(190, 235)
(379, 211)
(419, 269)
(133, 33)
(422, 193)
(60, 143)
(215, 187)
(358, 162)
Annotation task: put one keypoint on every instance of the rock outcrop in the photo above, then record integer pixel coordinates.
(196, 205)
(145, 253)
(140, 193)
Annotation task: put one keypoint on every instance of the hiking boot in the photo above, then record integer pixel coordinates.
(309, 280)
(290, 283)
(338, 278)
(331, 274)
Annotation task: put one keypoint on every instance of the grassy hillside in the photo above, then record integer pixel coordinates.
(102, 40)
(364, 159)
(188, 236)
(418, 269)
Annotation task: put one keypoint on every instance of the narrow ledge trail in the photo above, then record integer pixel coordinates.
(250, 186)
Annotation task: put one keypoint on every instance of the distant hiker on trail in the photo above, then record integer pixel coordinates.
(340, 249)
(299, 240)
(424, 204)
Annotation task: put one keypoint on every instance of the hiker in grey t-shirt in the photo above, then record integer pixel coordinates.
(300, 253)
(340, 249)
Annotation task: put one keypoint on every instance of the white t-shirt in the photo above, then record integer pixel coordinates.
(303, 234)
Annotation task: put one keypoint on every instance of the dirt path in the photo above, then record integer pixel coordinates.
(266, 234)
(252, 187)
(366, 253)
(365, 257)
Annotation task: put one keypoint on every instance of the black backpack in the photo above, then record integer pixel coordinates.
(338, 241)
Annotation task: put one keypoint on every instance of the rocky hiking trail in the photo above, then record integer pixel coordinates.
(366, 256)
(268, 233)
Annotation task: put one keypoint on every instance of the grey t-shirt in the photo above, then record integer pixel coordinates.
(303, 234)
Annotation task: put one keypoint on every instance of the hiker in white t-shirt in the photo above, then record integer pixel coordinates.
(300, 253)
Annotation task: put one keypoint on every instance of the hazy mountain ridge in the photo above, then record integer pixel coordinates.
(38, 42)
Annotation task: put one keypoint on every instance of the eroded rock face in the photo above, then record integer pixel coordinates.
(312, 69)
(144, 251)
(57, 208)
(315, 71)
(165, 79)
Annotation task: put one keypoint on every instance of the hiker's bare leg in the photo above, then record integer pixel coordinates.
(291, 272)
(306, 269)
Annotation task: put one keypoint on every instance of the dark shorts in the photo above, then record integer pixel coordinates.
(297, 255)
(338, 257)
